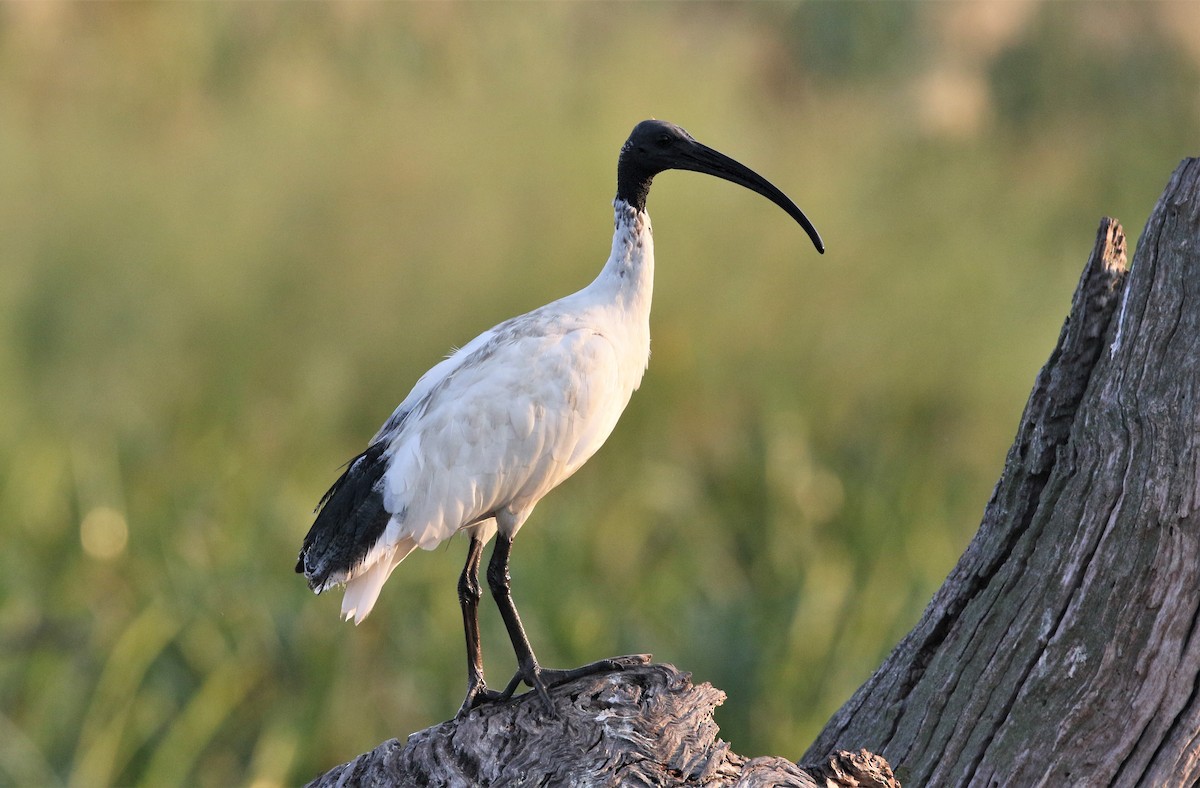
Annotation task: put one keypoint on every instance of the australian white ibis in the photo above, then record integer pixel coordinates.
(502, 421)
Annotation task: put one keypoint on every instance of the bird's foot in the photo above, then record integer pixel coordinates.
(542, 679)
(477, 695)
(554, 678)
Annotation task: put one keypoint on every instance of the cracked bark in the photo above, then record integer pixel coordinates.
(647, 725)
(1062, 649)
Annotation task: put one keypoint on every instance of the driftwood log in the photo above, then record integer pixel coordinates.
(1063, 649)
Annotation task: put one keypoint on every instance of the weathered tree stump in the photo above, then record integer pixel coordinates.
(1063, 648)
(647, 726)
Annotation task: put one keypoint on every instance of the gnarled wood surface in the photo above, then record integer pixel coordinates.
(647, 725)
(1063, 648)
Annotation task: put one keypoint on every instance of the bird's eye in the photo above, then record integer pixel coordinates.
(664, 139)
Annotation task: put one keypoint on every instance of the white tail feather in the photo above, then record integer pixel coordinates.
(363, 588)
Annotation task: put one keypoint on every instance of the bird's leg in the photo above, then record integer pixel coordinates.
(499, 581)
(528, 669)
(469, 594)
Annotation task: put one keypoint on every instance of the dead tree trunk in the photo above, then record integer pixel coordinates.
(646, 726)
(1063, 649)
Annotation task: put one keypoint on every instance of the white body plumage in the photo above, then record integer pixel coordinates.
(502, 421)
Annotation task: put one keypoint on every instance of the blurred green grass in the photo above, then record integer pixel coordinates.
(232, 236)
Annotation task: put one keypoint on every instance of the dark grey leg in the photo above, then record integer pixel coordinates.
(469, 594)
(528, 669)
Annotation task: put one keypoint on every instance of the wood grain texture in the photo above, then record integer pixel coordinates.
(647, 726)
(1062, 649)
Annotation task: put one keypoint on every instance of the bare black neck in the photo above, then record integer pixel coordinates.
(633, 182)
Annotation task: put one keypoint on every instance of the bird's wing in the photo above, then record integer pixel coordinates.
(436, 375)
(517, 415)
(493, 427)
(353, 530)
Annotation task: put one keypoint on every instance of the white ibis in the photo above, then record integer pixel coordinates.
(506, 418)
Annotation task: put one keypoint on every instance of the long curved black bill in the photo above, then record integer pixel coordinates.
(701, 158)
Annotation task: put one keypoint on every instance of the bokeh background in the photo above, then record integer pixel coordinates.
(233, 235)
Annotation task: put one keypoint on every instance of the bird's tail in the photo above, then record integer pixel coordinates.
(365, 582)
(350, 526)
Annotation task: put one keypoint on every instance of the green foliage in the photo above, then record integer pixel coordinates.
(1070, 66)
(856, 40)
(234, 235)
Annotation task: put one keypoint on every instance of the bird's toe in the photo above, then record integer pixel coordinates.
(553, 678)
(478, 695)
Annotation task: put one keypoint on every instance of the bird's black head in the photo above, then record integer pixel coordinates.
(656, 145)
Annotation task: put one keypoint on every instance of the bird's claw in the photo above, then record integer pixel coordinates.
(477, 695)
(554, 678)
(542, 679)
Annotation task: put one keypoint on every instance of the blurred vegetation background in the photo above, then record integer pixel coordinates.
(233, 235)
